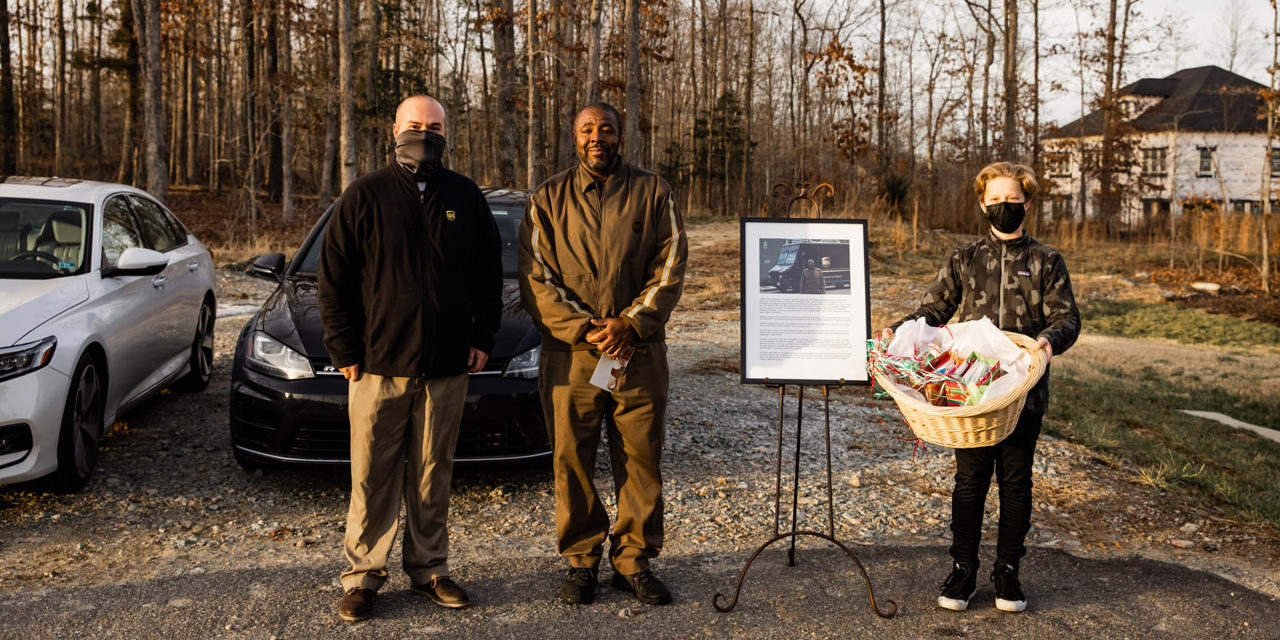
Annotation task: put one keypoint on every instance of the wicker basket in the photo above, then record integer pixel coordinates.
(975, 426)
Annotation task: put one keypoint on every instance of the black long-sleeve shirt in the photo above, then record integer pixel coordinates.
(409, 280)
(1020, 284)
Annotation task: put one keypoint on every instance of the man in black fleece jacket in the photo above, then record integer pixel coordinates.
(410, 296)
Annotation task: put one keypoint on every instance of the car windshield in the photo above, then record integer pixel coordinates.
(43, 238)
(787, 256)
(506, 215)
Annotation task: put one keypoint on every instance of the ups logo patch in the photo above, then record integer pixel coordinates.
(450, 216)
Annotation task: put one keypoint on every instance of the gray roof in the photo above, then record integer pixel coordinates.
(1201, 99)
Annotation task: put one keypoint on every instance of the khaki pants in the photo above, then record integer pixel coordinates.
(633, 417)
(403, 432)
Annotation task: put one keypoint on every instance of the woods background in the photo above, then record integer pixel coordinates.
(897, 103)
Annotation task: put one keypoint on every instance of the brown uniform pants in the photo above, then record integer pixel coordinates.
(633, 416)
(403, 432)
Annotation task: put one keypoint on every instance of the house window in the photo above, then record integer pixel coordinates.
(1061, 207)
(1060, 164)
(1205, 168)
(1153, 162)
(1090, 159)
(1246, 206)
(1275, 162)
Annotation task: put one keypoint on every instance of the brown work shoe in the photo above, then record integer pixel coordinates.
(444, 592)
(357, 604)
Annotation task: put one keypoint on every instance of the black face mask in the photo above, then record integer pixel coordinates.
(419, 151)
(1006, 217)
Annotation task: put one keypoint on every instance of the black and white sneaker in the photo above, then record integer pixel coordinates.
(959, 587)
(1009, 596)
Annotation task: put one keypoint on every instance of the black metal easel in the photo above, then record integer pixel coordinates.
(802, 192)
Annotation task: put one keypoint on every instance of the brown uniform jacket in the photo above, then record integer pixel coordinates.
(615, 249)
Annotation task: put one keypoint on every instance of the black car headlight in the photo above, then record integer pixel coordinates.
(27, 357)
(524, 364)
(274, 358)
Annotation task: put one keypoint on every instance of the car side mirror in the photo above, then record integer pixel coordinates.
(136, 261)
(270, 265)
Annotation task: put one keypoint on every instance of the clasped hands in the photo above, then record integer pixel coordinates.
(611, 336)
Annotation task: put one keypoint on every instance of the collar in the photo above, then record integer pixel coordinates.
(1016, 243)
(584, 181)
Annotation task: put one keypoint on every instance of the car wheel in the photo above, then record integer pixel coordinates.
(81, 428)
(245, 462)
(201, 362)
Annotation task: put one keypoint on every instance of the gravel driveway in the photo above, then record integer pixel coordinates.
(170, 507)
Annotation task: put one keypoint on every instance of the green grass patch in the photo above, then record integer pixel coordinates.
(1174, 322)
(1134, 422)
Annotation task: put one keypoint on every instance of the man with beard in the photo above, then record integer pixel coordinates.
(410, 283)
(602, 261)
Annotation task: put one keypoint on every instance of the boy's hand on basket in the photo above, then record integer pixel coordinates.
(1043, 343)
(886, 334)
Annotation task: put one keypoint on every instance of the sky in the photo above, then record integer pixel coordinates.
(1199, 37)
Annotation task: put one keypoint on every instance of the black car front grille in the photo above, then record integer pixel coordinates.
(490, 439)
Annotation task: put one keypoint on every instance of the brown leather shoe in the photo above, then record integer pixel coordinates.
(357, 604)
(444, 592)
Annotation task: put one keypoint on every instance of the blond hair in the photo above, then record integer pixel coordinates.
(1020, 172)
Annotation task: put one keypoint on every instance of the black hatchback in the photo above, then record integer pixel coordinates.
(289, 404)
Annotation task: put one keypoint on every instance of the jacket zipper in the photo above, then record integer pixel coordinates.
(1003, 257)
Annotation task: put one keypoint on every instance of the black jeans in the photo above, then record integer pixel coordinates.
(1011, 459)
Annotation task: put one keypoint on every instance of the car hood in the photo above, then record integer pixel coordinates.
(292, 316)
(27, 304)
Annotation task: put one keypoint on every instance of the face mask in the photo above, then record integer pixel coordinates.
(419, 151)
(1006, 217)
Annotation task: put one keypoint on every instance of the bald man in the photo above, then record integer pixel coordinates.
(410, 283)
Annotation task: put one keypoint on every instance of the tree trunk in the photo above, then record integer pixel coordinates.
(285, 89)
(192, 110)
(248, 146)
(1108, 122)
(593, 55)
(631, 110)
(882, 153)
(156, 147)
(504, 46)
(533, 146)
(60, 92)
(375, 132)
(8, 124)
(748, 129)
(271, 99)
(330, 153)
(1010, 79)
(1267, 166)
(346, 92)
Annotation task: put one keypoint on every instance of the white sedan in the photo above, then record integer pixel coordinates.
(105, 299)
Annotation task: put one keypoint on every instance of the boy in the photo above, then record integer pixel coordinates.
(1022, 286)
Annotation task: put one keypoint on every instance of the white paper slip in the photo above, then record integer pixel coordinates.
(609, 371)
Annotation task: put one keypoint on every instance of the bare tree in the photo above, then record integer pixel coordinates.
(157, 152)
(285, 46)
(631, 109)
(534, 141)
(1269, 164)
(346, 92)
(1010, 79)
(8, 124)
(593, 54)
(504, 45)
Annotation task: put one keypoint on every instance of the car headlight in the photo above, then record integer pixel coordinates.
(25, 358)
(524, 365)
(274, 358)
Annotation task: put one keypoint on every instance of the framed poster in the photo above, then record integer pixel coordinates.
(806, 312)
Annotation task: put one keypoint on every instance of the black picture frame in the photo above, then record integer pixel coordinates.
(789, 333)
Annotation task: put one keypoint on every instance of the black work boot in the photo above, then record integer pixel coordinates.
(647, 587)
(579, 586)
